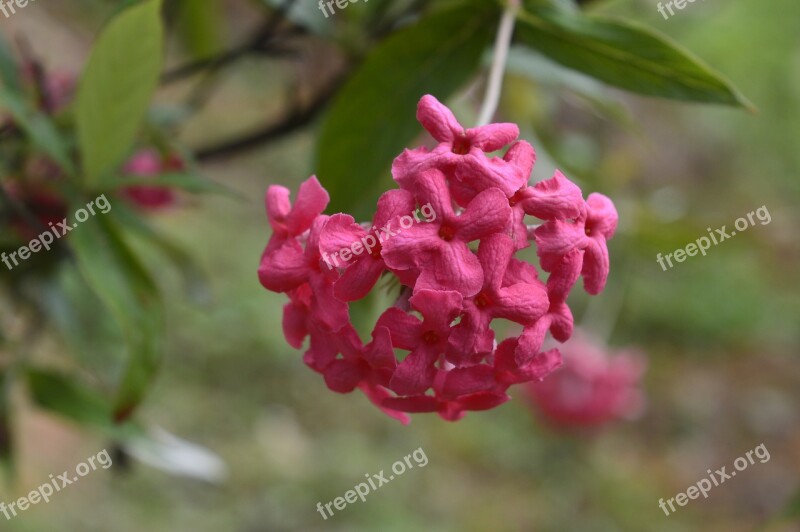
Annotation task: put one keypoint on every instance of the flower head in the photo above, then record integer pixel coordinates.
(434, 349)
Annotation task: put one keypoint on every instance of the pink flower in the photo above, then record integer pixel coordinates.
(588, 233)
(147, 163)
(457, 270)
(437, 252)
(342, 233)
(426, 339)
(461, 154)
(593, 388)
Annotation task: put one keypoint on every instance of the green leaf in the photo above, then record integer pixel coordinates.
(199, 24)
(373, 116)
(187, 181)
(9, 70)
(38, 127)
(117, 86)
(116, 275)
(624, 55)
(67, 397)
(6, 435)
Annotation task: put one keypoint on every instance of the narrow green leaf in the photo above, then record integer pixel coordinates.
(186, 181)
(115, 274)
(38, 127)
(6, 434)
(624, 55)
(199, 24)
(117, 86)
(9, 70)
(373, 117)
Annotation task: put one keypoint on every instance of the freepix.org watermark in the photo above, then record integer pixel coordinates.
(9, 7)
(56, 484)
(378, 235)
(679, 4)
(360, 491)
(714, 479)
(717, 236)
(44, 240)
(341, 4)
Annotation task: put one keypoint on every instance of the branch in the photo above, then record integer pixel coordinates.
(294, 121)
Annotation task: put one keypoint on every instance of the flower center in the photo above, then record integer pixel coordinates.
(516, 198)
(482, 300)
(447, 233)
(461, 146)
(430, 337)
(376, 253)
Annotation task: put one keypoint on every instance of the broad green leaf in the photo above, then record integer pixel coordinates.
(117, 86)
(115, 274)
(66, 396)
(374, 116)
(624, 55)
(38, 127)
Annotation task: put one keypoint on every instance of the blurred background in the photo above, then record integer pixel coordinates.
(719, 333)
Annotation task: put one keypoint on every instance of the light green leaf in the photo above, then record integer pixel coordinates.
(187, 181)
(373, 116)
(9, 70)
(624, 55)
(115, 274)
(117, 86)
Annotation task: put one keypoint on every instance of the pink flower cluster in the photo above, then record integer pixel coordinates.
(458, 272)
(595, 387)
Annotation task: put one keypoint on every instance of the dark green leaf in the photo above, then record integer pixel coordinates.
(6, 434)
(624, 55)
(65, 396)
(117, 86)
(118, 278)
(9, 70)
(38, 127)
(373, 117)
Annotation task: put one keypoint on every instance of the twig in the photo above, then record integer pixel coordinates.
(501, 46)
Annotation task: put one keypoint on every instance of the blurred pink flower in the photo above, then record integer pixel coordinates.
(149, 163)
(595, 386)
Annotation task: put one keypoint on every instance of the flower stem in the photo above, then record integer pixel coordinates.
(501, 45)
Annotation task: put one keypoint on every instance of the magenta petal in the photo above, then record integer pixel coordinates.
(417, 403)
(492, 137)
(483, 400)
(284, 268)
(487, 213)
(344, 375)
(603, 215)
(521, 303)
(494, 253)
(461, 381)
(405, 329)
(595, 266)
(439, 308)
(311, 201)
(356, 282)
(415, 374)
(564, 275)
(455, 268)
(294, 324)
(437, 119)
(556, 198)
(339, 233)
(378, 395)
(555, 238)
(380, 353)
(393, 204)
(278, 205)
